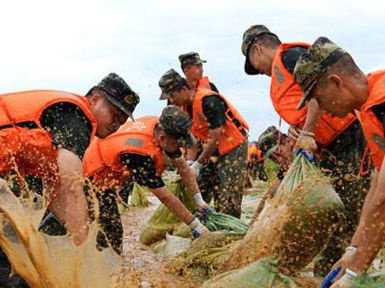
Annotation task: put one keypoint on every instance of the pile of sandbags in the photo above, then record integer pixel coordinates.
(263, 273)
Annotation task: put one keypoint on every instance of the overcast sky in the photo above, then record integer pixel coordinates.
(71, 44)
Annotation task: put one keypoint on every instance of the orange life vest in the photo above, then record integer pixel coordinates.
(102, 158)
(259, 155)
(231, 136)
(251, 150)
(285, 94)
(30, 151)
(204, 83)
(371, 125)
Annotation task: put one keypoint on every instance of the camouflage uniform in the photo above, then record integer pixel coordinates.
(222, 176)
(342, 158)
(119, 93)
(221, 179)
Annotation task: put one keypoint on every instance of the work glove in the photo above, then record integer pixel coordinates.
(200, 204)
(330, 278)
(197, 228)
(196, 166)
(308, 156)
(306, 142)
(339, 268)
(346, 280)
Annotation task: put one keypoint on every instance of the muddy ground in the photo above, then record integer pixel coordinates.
(140, 260)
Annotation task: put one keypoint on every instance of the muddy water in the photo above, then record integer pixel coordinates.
(54, 262)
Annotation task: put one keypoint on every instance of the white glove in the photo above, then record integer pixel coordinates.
(346, 280)
(190, 162)
(200, 203)
(198, 228)
(196, 166)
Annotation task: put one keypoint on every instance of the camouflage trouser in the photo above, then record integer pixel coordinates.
(109, 220)
(341, 163)
(222, 178)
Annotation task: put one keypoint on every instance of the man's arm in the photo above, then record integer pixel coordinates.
(370, 234)
(71, 132)
(70, 205)
(306, 139)
(214, 109)
(189, 179)
(173, 203)
(211, 146)
(313, 116)
(268, 195)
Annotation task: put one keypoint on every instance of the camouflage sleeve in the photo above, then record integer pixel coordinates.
(69, 126)
(143, 170)
(214, 109)
(290, 57)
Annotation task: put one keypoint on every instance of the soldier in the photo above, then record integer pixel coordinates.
(329, 75)
(224, 133)
(192, 67)
(136, 152)
(45, 134)
(340, 141)
(278, 147)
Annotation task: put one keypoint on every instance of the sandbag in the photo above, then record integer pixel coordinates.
(294, 225)
(163, 221)
(139, 196)
(262, 274)
(203, 258)
(374, 280)
(175, 245)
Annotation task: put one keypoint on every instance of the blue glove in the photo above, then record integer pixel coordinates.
(197, 228)
(308, 156)
(206, 212)
(195, 233)
(330, 278)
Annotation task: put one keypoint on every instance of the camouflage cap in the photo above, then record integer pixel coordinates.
(119, 93)
(247, 41)
(313, 63)
(268, 141)
(177, 124)
(168, 82)
(190, 58)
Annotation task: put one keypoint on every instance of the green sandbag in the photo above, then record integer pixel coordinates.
(262, 274)
(203, 258)
(294, 225)
(369, 281)
(139, 196)
(163, 221)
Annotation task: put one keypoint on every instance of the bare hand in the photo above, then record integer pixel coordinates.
(307, 143)
(294, 132)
